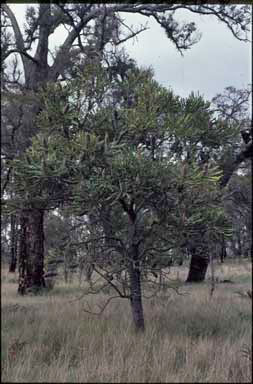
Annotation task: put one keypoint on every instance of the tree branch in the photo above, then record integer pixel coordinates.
(18, 37)
(24, 53)
(244, 155)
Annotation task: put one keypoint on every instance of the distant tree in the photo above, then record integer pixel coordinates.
(228, 149)
(238, 206)
(5, 246)
(233, 108)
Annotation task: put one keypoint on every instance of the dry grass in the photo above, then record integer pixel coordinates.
(188, 338)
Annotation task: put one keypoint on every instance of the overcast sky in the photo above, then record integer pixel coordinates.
(217, 61)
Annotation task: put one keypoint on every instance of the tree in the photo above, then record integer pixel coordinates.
(149, 201)
(231, 112)
(233, 108)
(91, 27)
(238, 206)
(198, 136)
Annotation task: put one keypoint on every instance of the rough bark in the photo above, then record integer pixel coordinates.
(31, 253)
(134, 267)
(136, 298)
(135, 292)
(199, 264)
(31, 242)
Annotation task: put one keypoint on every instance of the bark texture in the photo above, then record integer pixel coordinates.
(136, 296)
(199, 264)
(31, 254)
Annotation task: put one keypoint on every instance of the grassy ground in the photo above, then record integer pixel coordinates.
(189, 337)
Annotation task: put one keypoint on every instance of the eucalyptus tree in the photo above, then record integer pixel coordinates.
(227, 142)
(232, 107)
(92, 30)
(238, 207)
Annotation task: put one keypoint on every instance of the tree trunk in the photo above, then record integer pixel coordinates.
(198, 265)
(239, 248)
(31, 251)
(223, 254)
(136, 296)
(66, 274)
(13, 261)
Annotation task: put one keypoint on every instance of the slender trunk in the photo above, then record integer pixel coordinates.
(198, 265)
(88, 268)
(13, 261)
(23, 255)
(223, 254)
(239, 249)
(31, 251)
(66, 275)
(136, 295)
(66, 272)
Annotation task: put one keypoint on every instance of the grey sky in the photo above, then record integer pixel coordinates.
(217, 61)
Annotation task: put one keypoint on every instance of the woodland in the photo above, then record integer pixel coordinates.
(108, 176)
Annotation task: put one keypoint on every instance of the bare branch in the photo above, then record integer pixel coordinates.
(131, 35)
(102, 308)
(22, 53)
(18, 36)
(109, 282)
(244, 155)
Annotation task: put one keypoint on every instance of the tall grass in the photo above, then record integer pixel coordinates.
(188, 338)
